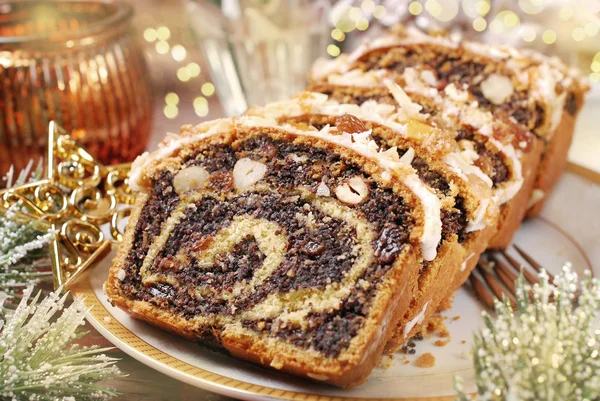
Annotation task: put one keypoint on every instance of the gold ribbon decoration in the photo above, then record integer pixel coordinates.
(75, 198)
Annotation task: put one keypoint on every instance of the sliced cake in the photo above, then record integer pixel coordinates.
(537, 93)
(444, 163)
(295, 248)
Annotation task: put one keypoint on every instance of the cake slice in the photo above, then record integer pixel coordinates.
(294, 248)
(468, 195)
(538, 93)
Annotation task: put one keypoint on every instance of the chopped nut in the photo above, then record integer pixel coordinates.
(298, 159)
(317, 376)
(408, 156)
(247, 172)
(456, 94)
(497, 88)
(353, 192)
(323, 189)
(409, 108)
(277, 363)
(419, 130)
(429, 77)
(189, 179)
(391, 154)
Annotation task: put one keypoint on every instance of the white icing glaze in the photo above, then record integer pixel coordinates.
(540, 72)
(478, 222)
(382, 114)
(416, 320)
(169, 145)
(536, 196)
(361, 143)
(463, 266)
(463, 166)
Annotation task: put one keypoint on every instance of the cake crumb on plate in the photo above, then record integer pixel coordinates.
(427, 360)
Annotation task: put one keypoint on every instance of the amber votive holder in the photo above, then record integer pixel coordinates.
(77, 63)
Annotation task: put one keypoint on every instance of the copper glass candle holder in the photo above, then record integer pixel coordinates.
(77, 63)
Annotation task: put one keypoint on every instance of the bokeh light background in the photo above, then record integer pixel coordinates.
(184, 88)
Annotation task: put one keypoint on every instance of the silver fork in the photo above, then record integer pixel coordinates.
(496, 273)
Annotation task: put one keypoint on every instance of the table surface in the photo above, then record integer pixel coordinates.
(144, 383)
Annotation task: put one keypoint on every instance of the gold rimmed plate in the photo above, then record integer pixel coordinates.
(567, 230)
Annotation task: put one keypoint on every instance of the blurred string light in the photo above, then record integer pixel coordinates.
(163, 33)
(565, 13)
(528, 34)
(178, 52)
(193, 69)
(172, 98)
(482, 7)
(379, 12)
(549, 36)
(578, 34)
(162, 47)
(509, 18)
(591, 29)
(362, 24)
(531, 7)
(183, 74)
(442, 10)
(338, 35)
(596, 61)
(201, 106)
(475, 8)
(368, 6)
(333, 50)
(150, 35)
(170, 111)
(355, 14)
(595, 67)
(208, 89)
(479, 24)
(496, 26)
(415, 8)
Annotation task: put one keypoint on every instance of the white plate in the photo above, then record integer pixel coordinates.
(568, 230)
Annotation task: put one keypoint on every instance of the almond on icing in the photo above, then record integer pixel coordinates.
(497, 88)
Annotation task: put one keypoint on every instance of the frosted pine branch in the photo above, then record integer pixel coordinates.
(37, 362)
(20, 244)
(547, 350)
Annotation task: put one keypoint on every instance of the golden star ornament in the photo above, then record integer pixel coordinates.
(82, 201)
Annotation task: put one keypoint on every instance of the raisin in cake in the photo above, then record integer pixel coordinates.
(295, 248)
(539, 94)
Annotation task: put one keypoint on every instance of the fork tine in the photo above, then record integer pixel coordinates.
(507, 277)
(481, 291)
(492, 282)
(528, 276)
(501, 266)
(532, 262)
